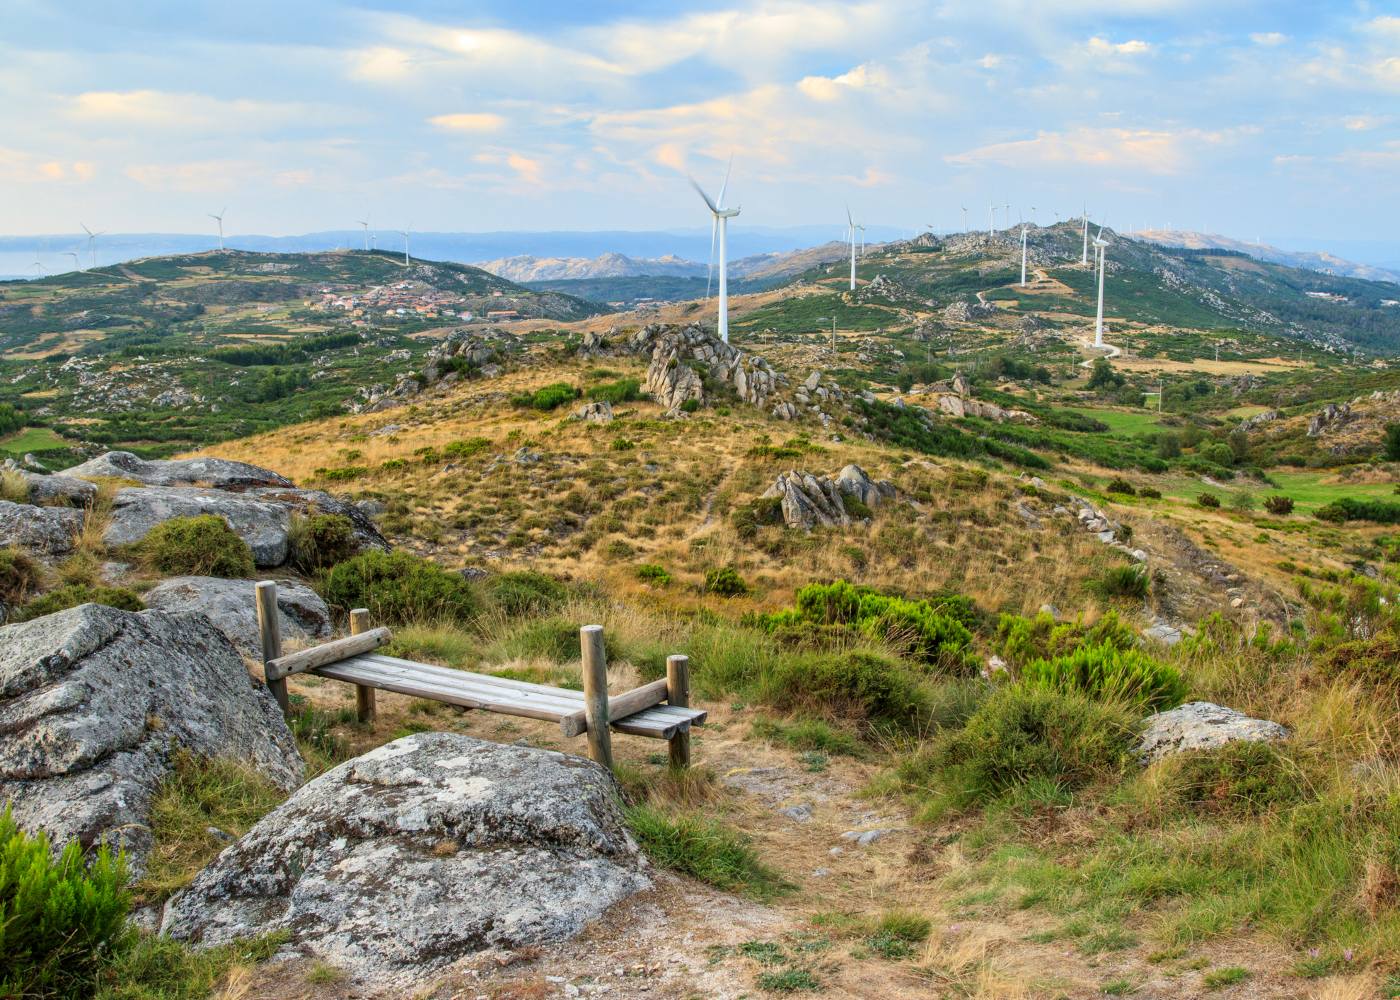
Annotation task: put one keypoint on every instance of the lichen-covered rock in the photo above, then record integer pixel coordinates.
(219, 473)
(424, 851)
(1201, 725)
(809, 501)
(597, 412)
(49, 490)
(230, 605)
(676, 353)
(93, 703)
(44, 531)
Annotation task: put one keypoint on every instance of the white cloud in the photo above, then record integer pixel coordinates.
(469, 122)
(156, 109)
(1268, 39)
(19, 167)
(1132, 47)
(215, 175)
(1156, 151)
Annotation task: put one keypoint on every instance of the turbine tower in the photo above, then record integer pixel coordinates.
(92, 242)
(992, 225)
(77, 263)
(404, 233)
(366, 225)
(964, 208)
(220, 220)
(1100, 245)
(862, 241)
(1084, 258)
(851, 231)
(719, 231)
(1023, 255)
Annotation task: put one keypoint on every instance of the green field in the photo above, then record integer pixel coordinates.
(1310, 492)
(1122, 422)
(32, 439)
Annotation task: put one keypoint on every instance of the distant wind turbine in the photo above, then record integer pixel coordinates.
(1100, 249)
(719, 232)
(77, 264)
(92, 242)
(38, 269)
(1084, 258)
(220, 220)
(1023, 255)
(964, 208)
(851, 231)
(862, 241)
(404, 233)
(992, 225)
(366, 225)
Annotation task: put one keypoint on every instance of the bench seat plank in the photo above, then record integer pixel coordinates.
(497, 694)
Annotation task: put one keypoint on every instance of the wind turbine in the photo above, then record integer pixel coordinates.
(862, 241)
(964, 208)
(992, 225)
(92, 242)
(851, 229)
(1100, 245)
(366, 225)
(719, 231)
(38, 269)
(77, 265)
(1023, 254)
(404, 233)
(220, 220)
(1084, 258)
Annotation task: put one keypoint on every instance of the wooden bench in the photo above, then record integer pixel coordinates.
(659, 710)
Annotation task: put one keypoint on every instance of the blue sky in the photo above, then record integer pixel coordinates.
(1247, 118)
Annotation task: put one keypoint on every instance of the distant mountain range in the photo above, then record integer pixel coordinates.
(526, 269)
(1308, 260)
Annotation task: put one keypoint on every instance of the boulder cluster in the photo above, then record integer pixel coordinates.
(684, 358)
(461, 353)
(810, 501)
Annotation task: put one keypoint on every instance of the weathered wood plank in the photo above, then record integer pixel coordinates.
(364, 694)
(330, 652)
(625, 704)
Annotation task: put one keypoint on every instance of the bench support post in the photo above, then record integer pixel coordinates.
(678, 695)
(364, 695)
(595, 694)
(270, 633)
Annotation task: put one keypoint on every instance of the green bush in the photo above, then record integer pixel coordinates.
(1022, 734)
(197, 546)
(1374, 660)
(1208, 500)
(20, 575)
(1278, 504)
(761, 513)
(342, 474)
(1390, 446)
(465, 449)
(725, 581)
(399, 588)
(551, 397)
(320, 541)
(60, 916)
(652, 573)
(624, 390)
(74, 594)
(1149, 493)
(855, 684)
(1120, 581)
(1119, 485)
(526, 593)
(931, 631)
(1243, 778)
(1107, 673)
(1020, 640)
(1353, 509)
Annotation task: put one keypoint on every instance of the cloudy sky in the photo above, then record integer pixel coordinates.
(1247, 118)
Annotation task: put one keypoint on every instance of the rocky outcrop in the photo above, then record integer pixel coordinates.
(43, 531)
(1201, 725)
(52, 491)
(955, 405)
(218, 473)
(968, 312)
(1329, 418)
(261, 517)
(230, 605)
(679, 356)
(1259, 420)
(809, 501)
(95, 701)
(424, 851)
(597, 412)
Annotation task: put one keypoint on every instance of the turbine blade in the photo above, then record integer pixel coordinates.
(725, 186)
(701, 191)
(850, 221)
(710, 273)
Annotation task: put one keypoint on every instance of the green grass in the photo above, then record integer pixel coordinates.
(1122, 422)
(35, 439)
(158, 968)
(703, 848)
(1228, 976)
(1309, 492)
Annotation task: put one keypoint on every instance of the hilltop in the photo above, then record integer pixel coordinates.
(1327, 263)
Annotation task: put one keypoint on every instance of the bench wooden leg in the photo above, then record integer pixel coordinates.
(270, 634)
(678, 694)
(595, 694)
(364, 695)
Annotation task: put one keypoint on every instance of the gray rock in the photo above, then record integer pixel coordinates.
(93, 702)
(230, 605)
(809, 500)
(419, 853)
(597, 412)
(1201, 725)
(220, 473)
(1168, 635)
(47, 490)
(40, 530)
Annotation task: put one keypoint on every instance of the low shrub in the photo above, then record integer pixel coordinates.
(725, 581)
(1149, 493)
(1278, 504)
(342, 474)
(61, 916)
(20, 576)
(465, 448)
(897, 932)
(1020, 640)
(551, 397)
(624, 390)
(1120, 581)
(1107, 673)
(1374, 660)
(807, 734)
(856, 684)
(1119, 485)
(654, 574)
(1208, 500)
(1353, 509)
(74, 594)
(197, 546)
(525, 592)
(1021, 734)
(705, 849)
(14, 486)
(1243, 778)
(761, 513)
(320, 541)
(400, 588)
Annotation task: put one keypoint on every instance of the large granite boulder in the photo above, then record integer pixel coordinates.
(41, 530)
(95, 701)
(809, 501)
(261, 516)
(220, 473)
(1201, 725)
(47, 490)
(423, 851)
(230, 605)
